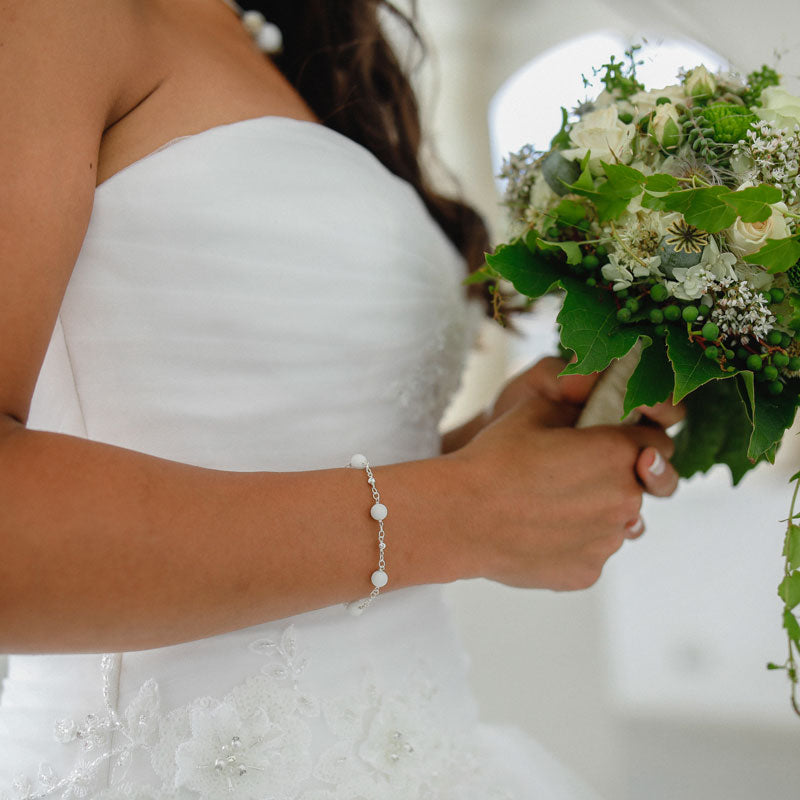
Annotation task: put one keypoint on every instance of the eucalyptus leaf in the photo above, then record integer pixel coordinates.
(651, 381)
(777, 255)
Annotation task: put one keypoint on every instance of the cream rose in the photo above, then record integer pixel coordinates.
(645, 102)
(747, 237)
(779, 107)
(605, 135)
(665, 126)
(700, 82)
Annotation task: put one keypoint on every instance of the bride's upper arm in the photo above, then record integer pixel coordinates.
(61, 71)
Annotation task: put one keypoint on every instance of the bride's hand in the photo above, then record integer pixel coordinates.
(561, 500)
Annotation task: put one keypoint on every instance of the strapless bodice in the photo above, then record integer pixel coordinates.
(263, 296)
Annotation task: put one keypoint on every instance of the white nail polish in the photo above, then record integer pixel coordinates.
(658, 466)
(636, 528)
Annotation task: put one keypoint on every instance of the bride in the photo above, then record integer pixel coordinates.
(232, 316)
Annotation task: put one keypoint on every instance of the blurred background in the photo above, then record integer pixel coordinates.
(652, 684)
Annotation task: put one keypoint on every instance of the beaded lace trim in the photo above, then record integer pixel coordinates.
(255, 743)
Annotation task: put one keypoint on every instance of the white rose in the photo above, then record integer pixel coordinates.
(700, 82)
(605, 135)
(665, 126)
(645, 102)
(779, 107)
(747, 237)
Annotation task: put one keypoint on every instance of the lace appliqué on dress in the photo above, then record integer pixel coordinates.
(255, 743)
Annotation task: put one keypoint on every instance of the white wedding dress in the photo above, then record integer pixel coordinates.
(264, 295)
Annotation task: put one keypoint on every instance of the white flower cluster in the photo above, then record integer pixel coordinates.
(775, 152)
(739, 310)
(519, 174)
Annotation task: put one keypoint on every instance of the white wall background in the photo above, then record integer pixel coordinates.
(653, 683)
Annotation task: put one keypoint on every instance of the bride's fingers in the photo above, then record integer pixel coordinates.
(635, 529)
(657, 475)
(664, 414)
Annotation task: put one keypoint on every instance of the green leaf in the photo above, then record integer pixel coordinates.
(572, 249)
(479, 276)
(789, 590)
(791, 548)
(568, 212)
(561, 140)
(653, 202)
(754, 203)
(777, 255)
(589, 328)
(704, 208)
(532, 274)
(660, 182)
(793, 479)
(719, 438)
(651, 381)
(791, 626)
(625, 180)
(772, 416)
(692, 368)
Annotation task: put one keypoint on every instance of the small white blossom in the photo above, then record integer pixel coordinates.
(621, 277)
(690, 283)
(719, 264)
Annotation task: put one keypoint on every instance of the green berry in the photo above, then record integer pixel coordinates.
(770, 372)
(624, 314)
(551, 232)
(656, 316)
(786, 340)
(754, 362)
(777, 295)
(623, 294)
(712, 353)
(590, 261)
(672, 313)
(730, 368)
(710, 330)
(775, 387)
(780, 360)
(794, 363)
(632, 304)
(601, 251)
(774, 338)
(659, 293)
(729, 354)
(591, 281)
(742, 353)
(690, 313)
(661, 330)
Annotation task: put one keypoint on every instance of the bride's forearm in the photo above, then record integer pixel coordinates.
(109, 549)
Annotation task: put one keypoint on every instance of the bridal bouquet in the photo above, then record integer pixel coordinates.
(668, 219)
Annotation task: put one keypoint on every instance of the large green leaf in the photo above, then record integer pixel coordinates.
(791, 625)
(754, 203)
(652, 380)
(777, 255)
(791, 548)
(703, 208)
(661, 182)
(692, 368)
(589, 328)
(772, 416)
(716, 431)
(532, 274)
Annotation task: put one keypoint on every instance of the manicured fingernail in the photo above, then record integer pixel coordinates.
(636, 528)
(658, 466)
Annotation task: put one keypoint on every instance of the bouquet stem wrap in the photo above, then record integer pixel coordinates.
(605, 403)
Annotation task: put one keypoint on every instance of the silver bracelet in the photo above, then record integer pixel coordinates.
(378, 512)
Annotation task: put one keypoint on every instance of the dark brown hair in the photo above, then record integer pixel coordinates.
(337, 56)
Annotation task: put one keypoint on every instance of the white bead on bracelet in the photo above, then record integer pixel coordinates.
(378, 512)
